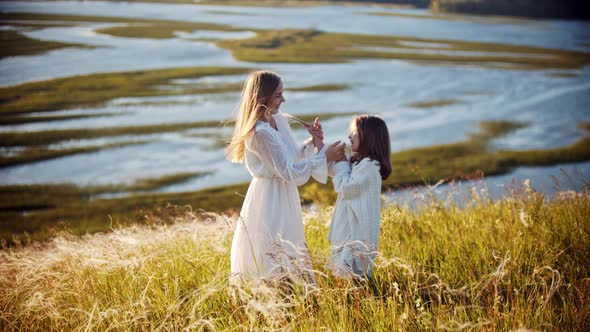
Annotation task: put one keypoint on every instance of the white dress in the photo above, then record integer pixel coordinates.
(269, 242)
(354, 231)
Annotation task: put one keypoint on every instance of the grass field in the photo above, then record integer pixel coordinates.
(521, 263)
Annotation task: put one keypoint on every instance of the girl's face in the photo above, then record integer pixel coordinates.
(276, 99)
(355, 139)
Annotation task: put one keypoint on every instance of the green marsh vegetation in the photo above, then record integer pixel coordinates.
(15, 43)
(62, 19)
(564, 75)
(37, 212)
(467, 159)
(321, 87)
(458, 17)
(518, 263)
(33, 145)
(313, 46)
(95, 89)
(434, 103)
(287, 3)
(31, 212)
(44, 137)
(161, 29)
(40, 153)
(16, 120)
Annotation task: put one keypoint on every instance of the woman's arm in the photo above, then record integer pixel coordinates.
(267, 147)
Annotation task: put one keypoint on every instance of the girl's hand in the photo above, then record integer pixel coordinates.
(335, 152)
(317, 133)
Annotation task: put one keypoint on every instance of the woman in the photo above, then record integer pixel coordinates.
(269, 242)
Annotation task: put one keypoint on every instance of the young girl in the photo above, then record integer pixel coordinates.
(354, 232)
(268, 241)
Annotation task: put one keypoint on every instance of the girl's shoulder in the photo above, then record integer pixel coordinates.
(366, 164)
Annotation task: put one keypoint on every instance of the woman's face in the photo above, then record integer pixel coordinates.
(355, 140)
(276, 99)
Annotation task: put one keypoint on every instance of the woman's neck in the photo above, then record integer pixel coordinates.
(271, 121)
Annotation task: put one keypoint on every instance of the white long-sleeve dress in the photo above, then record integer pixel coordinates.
(269, 241)
(354, 231)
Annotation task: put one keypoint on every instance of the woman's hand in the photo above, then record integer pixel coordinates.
(335, 152)
(317, 133)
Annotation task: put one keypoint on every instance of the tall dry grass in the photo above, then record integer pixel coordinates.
(518, 263)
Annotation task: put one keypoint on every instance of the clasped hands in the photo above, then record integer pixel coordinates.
(335, 151)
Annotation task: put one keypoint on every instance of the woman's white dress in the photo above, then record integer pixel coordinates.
(354, 231)
(269, 241)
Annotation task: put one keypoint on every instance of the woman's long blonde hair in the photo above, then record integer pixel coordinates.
(258, 89)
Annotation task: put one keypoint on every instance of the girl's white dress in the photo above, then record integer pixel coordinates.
(354, 231)
(269, 242)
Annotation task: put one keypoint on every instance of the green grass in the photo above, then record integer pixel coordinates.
(95, 89)
(434, 103)
(40, 153)
(33, 211)
(518, 264)
(15, 44)
(313, 46)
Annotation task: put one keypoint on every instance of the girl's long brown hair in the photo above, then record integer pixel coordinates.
(374, 142)
(259, 87)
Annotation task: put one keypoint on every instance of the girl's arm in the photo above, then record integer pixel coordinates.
(266, 146)
(350, 184)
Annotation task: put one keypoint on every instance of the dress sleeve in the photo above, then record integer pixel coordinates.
(308, 150)
(270, 150)
(351, 184)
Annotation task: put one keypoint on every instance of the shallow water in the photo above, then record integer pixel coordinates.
(552, 181)
(551, 106)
